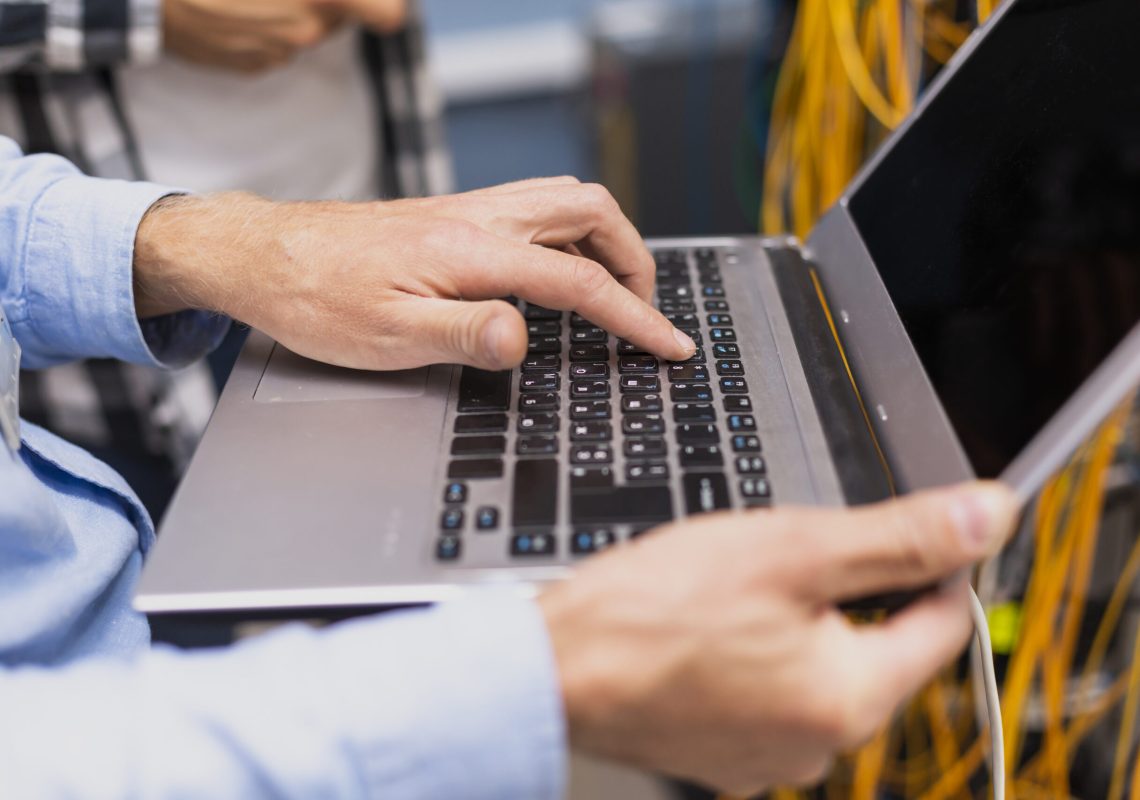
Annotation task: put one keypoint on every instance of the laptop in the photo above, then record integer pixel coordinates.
(967, 308)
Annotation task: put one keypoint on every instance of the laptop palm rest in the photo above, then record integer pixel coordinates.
(290, 378)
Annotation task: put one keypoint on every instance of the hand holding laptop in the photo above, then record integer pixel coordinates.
(401, 284)
(714, 650)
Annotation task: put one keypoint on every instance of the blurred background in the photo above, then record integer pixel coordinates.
(620, 91)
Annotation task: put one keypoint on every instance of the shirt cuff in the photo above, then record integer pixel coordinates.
(482, 713)
(80, 263)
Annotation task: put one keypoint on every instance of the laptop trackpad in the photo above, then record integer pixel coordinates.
(290, 378)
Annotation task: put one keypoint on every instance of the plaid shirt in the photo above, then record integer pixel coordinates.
(58, 94)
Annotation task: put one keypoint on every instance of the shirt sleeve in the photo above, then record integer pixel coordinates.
(460, 701)
(66, 268)
(79, 34)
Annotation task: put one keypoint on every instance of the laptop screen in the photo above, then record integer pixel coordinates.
(1006, 221)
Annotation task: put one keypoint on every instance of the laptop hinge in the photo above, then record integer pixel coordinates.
(863, 472)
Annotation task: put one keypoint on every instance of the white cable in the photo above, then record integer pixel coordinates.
(993, 700)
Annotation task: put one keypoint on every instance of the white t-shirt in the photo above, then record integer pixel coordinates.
(303, 131)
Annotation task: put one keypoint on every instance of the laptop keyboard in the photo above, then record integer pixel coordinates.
(596, 441)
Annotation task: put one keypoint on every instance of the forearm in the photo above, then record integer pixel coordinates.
(87, 34)
(456, 702)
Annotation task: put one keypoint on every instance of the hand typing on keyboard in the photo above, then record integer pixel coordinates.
(714, 650)
(400, 284)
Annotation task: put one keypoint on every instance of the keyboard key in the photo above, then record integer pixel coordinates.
(538, 422)
(716, 305)
(591, 454)
(539, 382)
(694, 412)
(644, 448)
(534, 493)
(745, 443)
(455, 493)
(729, 368)
(544, 328)
(640, 364)
(674, 292)
(481, 390)
(753, 489)
(737, 403)
(676, 306)
(476, 468)
(622, 504)
(532, 544)
(642, 424)
(543, 344)
(688, 320)
(543, 401)
(734, 385)
(487, 518)
(451, 520)
(705, 255)
(705, 491)
(710, 277)
(448, 548)
(625, 348)
(712, 291)
(589, 369)
(542, 363)
(586, 478)
(690, 393)
(584, 542)
(589, 352)
(741, 422)
(751, 465)
(590, 409)
(640, 384)
(722, 335)
(478, 445)
(538, 312)
(588, 336)
(689, 373)
(536, 445)
(723, 350)
(578, 321)
(651, 471)
(696, 455)
(589, 389)
(480, 423)
(697, 433)
(645, 402)
(591, 432)
(716, 320)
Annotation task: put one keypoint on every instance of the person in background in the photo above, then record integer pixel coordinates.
(290, 99)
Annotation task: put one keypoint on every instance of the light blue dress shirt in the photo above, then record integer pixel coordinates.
(459, 701)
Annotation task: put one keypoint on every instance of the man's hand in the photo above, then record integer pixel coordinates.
(713, 649)
(405, 283)
(246, 35)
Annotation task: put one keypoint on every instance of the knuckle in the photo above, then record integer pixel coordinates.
(589, 278)
(599, 199)
(911, 545)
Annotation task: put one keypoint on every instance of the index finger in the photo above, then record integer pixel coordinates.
(567, 282)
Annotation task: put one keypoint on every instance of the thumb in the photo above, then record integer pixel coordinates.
(909, 542)
(490, 334)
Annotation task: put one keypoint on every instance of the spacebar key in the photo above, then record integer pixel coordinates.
(481, 390)
(535, 493)
(632, 504)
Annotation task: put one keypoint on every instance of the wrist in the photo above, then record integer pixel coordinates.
(191, 252)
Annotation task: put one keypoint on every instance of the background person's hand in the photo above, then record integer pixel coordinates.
(246, 35)
(712, 650)
(400, 284)
(382, 16)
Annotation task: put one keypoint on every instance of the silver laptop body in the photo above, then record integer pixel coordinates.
(317, 488)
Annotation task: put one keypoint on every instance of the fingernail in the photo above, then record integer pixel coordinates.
(981, 515)
(685, 341)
